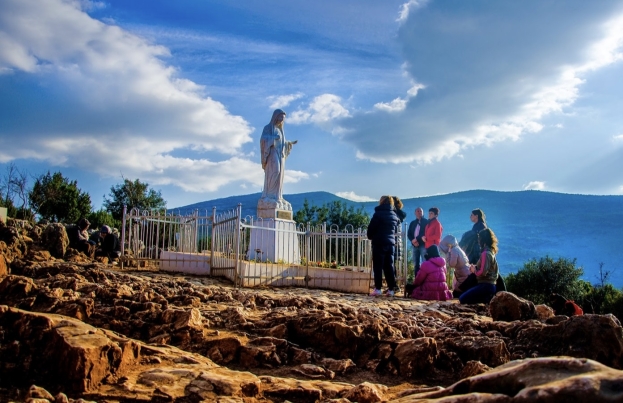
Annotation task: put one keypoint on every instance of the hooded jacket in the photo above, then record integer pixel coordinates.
(430, 281)
(455, 258)
(383, 226)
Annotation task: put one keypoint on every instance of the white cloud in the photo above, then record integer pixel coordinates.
(399, 104)
(534, 185)
(354, 197)
(478, 97)
(322, 110)
(618, 137)
(130, 111)
(282, 101)
(407, 7)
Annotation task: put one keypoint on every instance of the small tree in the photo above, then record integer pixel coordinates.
(538, 279)
(56, 198)
(133, 195)
(14, 192)
(102, 217)
(333, 213)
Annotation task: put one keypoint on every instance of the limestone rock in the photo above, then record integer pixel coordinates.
(508, 307)
(416, 356)
(544, 312)
(366, 393)
(55, 240)
(4, 268)
(555, 379)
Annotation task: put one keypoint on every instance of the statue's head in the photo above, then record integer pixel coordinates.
(278, 117)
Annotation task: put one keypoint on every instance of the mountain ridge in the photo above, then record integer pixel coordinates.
(529, 223)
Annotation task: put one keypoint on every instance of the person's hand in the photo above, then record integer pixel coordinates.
(424, 238)
(414, 242)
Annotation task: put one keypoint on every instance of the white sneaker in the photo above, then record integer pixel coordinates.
(376, 293)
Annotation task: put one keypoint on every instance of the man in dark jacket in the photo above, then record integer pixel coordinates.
(415, 233)
(382, 232)
(110, 246)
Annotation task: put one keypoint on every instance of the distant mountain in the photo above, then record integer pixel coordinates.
(529, 224)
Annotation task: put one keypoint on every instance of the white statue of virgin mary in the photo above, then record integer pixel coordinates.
(275, 149)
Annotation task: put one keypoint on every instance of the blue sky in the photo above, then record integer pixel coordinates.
(410, 98)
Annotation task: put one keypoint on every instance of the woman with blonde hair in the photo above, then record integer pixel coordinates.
(486, 270)
(382, 232)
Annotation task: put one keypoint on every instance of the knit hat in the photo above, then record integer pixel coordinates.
(105, 229)
(431, 252)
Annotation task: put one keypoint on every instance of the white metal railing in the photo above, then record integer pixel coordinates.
(251, 251)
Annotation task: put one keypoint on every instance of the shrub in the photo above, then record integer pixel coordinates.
(539, 278)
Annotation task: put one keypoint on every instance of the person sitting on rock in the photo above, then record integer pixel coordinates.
(486, 270)
(430, 282)
(79, 237)
(457, 263)
(110, 246)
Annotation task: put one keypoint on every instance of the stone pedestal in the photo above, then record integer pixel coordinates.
(276, 240)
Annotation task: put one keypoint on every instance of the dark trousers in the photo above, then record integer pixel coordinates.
(481, 293)
(383, 263)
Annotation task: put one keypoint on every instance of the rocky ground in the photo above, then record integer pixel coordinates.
(83, 330)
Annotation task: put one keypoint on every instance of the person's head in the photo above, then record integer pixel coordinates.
(487, 239)
(447, 243)
(478, 216)
(397, 202)
(105, 230)
(431, 252)
(433, 212)
(83, 223)
(419, 212)
(278, 117)
(386, 200)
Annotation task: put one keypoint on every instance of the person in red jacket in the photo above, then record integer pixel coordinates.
(430, 282)
(432, 234)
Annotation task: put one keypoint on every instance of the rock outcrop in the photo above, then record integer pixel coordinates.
(75, 328)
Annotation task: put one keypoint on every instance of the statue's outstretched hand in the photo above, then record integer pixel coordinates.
(294, 142)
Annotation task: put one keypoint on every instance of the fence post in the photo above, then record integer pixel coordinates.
(123, 221)
(237, 275)
(212, 236)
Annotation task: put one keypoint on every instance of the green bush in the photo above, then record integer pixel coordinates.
(103, 217)
(539, 278)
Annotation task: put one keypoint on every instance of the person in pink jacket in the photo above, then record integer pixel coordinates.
(430, 282)
(433, 231)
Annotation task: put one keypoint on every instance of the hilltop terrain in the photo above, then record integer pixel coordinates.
(529, 224)
(82, 329)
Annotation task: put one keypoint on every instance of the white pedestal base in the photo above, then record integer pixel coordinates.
(278, 242)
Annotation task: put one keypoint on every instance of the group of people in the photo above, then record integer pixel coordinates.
(102, 243)
(471, 262)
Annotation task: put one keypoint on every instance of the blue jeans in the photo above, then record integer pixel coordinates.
(383, 263)
(418, 257)
(482, 293)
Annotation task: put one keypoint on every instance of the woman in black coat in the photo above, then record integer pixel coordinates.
(382, 232)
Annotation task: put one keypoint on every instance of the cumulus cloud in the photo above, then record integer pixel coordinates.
(281, 101)
(399, 104)
(618, 137)
(323, 111)
(534, 185)
(477, 97)
(354, 197)
(104, 100)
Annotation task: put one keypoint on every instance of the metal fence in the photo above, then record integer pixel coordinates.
(250, 251)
